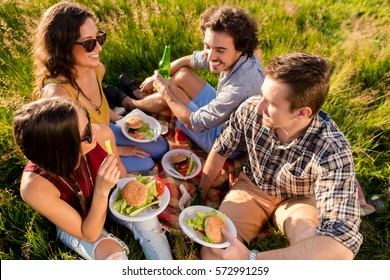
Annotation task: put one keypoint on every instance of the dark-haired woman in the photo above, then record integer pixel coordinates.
(69, 177)
(66, 61)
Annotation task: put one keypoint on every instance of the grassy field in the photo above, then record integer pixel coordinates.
(351, 33)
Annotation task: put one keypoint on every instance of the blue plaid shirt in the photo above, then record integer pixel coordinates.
(318, 162)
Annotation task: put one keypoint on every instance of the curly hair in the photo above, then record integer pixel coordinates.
(234, 21)
(307, 75)
(57, 31)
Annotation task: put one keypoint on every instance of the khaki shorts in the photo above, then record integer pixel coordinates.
(250, 209)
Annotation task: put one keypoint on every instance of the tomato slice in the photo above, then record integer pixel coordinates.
(182, 168)
(136, 135)
(160, 185)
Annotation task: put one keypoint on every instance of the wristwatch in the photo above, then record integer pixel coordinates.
(253, 255)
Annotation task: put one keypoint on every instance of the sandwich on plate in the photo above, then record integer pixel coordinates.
(185, 165)
(209, 225)
(138, 129)
(138, 195)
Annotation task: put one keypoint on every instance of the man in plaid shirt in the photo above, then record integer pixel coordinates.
(299, 174)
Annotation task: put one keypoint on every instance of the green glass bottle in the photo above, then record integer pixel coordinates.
(164, 66)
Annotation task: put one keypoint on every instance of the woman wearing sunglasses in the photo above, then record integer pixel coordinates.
(69, 180)
(66, 60)
(69, 177)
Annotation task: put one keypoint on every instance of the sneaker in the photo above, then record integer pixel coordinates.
(129, 85)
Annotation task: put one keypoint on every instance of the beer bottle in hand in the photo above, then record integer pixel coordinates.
(164, 66)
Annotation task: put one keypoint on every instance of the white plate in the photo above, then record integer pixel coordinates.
(154, 124)
(146, 213)
(190, 213)
(166, 164)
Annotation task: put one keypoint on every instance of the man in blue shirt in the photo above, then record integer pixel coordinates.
(202, 111)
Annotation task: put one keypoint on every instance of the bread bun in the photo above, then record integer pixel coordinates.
(177, 158)
(213, 226)
(134, 122)
(135, 193)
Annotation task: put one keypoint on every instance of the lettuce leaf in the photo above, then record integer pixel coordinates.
(146, 131)
(192, 164)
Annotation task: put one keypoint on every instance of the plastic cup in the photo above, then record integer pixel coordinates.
(164, 127)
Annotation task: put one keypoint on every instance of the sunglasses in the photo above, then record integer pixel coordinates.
(90, 44)
(87, 134)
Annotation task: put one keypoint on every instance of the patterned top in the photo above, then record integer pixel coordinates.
(319, 162)
(235, 87)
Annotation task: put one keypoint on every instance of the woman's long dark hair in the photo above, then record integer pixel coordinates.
(47, 133)
(56, 34)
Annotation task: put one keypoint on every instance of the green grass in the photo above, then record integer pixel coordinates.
(353, 34)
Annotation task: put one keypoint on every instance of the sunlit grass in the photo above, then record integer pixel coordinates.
(353, 34)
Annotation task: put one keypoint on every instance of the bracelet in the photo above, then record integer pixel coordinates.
(253, 255)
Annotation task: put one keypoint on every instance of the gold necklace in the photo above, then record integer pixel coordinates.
(79, 193)
(95, 107)
(89, 172)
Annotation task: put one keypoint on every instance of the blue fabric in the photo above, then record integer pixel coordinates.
(156, 149)
(205, 96)
(136, 164)
(205, 139)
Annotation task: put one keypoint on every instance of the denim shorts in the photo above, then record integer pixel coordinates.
(205, 139)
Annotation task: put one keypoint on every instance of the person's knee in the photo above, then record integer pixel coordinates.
(144, 165)
(181, 76)
(297, 218)
(159, 149)
(297, 229)
(108, 249)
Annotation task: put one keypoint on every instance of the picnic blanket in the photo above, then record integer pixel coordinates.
(177, 139)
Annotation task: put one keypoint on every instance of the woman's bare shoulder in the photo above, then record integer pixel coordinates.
(34, 187)
(54, 90)
(103, 132)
